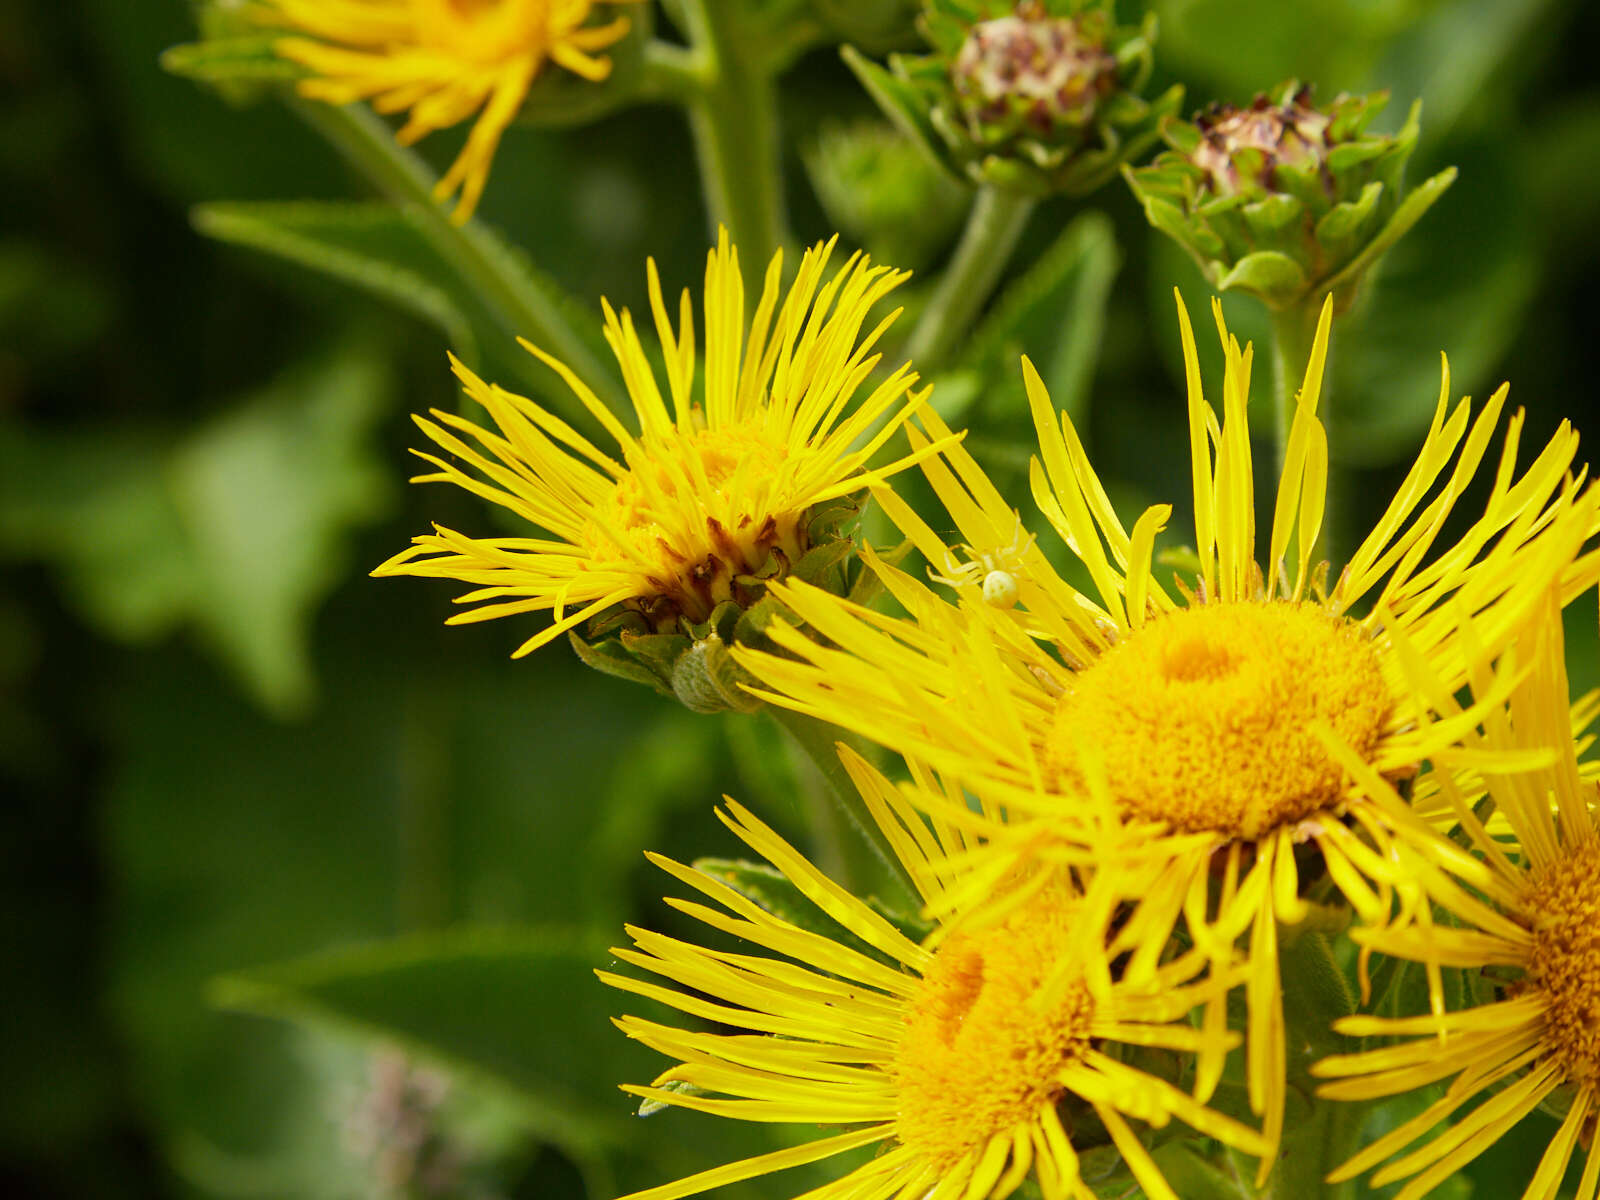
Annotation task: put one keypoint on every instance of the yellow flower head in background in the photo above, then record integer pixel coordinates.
(957, 1057)
(1528, 914)
(716, 487)
(1205, 713)
(443, 61)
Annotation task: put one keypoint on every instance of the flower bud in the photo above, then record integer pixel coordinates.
(1285, 200)
(880, 189)
(1034, 96)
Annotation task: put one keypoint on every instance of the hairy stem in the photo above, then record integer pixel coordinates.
(519, 300)
(733, 114)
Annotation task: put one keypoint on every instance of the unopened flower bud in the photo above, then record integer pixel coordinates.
(1283, 199)
(1033, 96)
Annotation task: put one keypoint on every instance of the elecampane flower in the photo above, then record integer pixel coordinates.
(718, 485)
(1205, 711)
(1527, 917)
(967, 1059)
(442, 61)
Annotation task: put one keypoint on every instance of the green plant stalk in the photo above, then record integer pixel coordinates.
(524, 309)
(1293, 331)
(993, 227)
(818, 740)
(733, 115)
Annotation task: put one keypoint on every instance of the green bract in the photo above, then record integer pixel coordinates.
(1036, 96)
(1285, 200)
(691, 663)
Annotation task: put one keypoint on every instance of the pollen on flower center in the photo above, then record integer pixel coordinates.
(989, 1032)
(1565, 963)
(696, 508)
(1205, 718)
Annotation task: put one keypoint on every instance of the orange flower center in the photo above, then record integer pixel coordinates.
(1565, 964)
(696, 513)
(989, 1032)
(1205, 718)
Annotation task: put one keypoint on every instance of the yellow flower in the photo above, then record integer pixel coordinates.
(958, 1057)
(443, 60)
(1206, 711)
(1527, 914)
(720, 483)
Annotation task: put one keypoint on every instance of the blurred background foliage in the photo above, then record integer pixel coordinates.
(245, 782)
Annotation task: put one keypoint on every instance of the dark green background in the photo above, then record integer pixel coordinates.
(223, 746)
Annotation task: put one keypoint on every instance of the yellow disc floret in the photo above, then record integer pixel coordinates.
(695, 513)
(1565, 963)
(989, 1033)
(1206, 718)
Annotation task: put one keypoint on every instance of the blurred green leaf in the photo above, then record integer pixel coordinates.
(1450, 56)
(230, 60)
(518, 1006)
(1245, 46)
(438, 783)
(1460, 283)
(265, 494)
(236, 528)
(97, 508)
(371, 245)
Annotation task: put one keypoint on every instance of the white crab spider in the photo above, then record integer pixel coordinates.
(995, 571)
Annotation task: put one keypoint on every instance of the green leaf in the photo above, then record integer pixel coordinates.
(494, 1004)
(231, 60)
(98, 510)
(236, 528)
(265, 494)
(373, 246)
(1428, 296)
(433, 786)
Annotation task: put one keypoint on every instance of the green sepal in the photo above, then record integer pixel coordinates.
(1344, 223)
(1273, 276)
(610, 659)
(216, 61)
(706, 679)
(1408, 214)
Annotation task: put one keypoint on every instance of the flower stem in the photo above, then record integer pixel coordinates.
(818, 741)
(520, 300)
(733, 115)
(993, 227)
